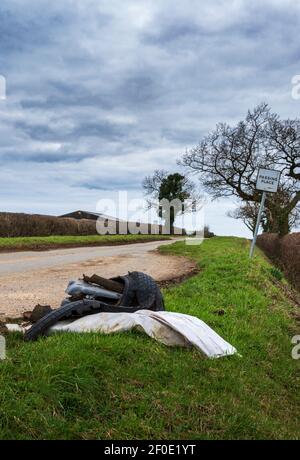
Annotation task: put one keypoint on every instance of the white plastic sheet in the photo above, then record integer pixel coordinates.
(172, 329)
(108, 323)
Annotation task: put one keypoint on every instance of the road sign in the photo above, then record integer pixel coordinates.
(268, 180)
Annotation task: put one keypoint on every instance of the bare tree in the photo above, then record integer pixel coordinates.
(248, 213)
(285, 140)
(228, 160)
(152, 184)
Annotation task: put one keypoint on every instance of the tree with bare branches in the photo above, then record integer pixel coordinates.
(248, 213)
(228, 160)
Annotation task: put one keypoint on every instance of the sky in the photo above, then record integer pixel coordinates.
(99, 94)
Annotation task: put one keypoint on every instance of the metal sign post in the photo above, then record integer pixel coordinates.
(267, 181)
(261, 209)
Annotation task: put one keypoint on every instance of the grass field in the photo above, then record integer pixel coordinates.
(39, 243)
(127, 386)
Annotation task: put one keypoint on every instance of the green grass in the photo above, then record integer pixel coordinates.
(37, 243)
(127, 386)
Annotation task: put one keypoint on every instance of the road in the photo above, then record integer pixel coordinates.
(18, 262)
(30, 277)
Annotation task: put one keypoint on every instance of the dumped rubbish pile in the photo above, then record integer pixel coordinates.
(124, 294)
(124, 303)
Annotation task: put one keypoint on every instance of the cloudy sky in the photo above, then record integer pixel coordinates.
(101, 93)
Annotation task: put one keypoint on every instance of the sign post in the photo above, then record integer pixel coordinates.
(267, 181)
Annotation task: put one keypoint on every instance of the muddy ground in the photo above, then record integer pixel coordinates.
(21, 291)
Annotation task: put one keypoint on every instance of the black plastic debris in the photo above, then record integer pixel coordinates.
(129, 293)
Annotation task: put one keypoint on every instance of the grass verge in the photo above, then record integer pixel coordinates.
(35, 243)
(127, 386)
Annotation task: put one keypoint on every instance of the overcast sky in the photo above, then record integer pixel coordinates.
(101, 93)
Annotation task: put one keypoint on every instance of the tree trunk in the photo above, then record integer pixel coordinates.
(280, 225)
(172, 226)
(284, 226)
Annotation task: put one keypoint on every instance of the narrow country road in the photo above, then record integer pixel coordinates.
(28, 278)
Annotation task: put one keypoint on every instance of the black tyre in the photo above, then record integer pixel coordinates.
(141, 290)
(68, 310)
(73, 310)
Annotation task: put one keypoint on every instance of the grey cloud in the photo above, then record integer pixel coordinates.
(172, 33)
(102, 130)
(63, 94)
(126, 87)
(110, 184)
(140, 91)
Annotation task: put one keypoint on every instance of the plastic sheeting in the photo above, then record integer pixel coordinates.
(172, 329)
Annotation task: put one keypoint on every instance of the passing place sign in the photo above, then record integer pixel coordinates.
(268, 180)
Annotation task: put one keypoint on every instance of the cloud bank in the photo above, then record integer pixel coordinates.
(101, 93)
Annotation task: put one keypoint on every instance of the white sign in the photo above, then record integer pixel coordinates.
(268, 180)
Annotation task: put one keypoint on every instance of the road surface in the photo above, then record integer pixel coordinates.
(28, 278)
